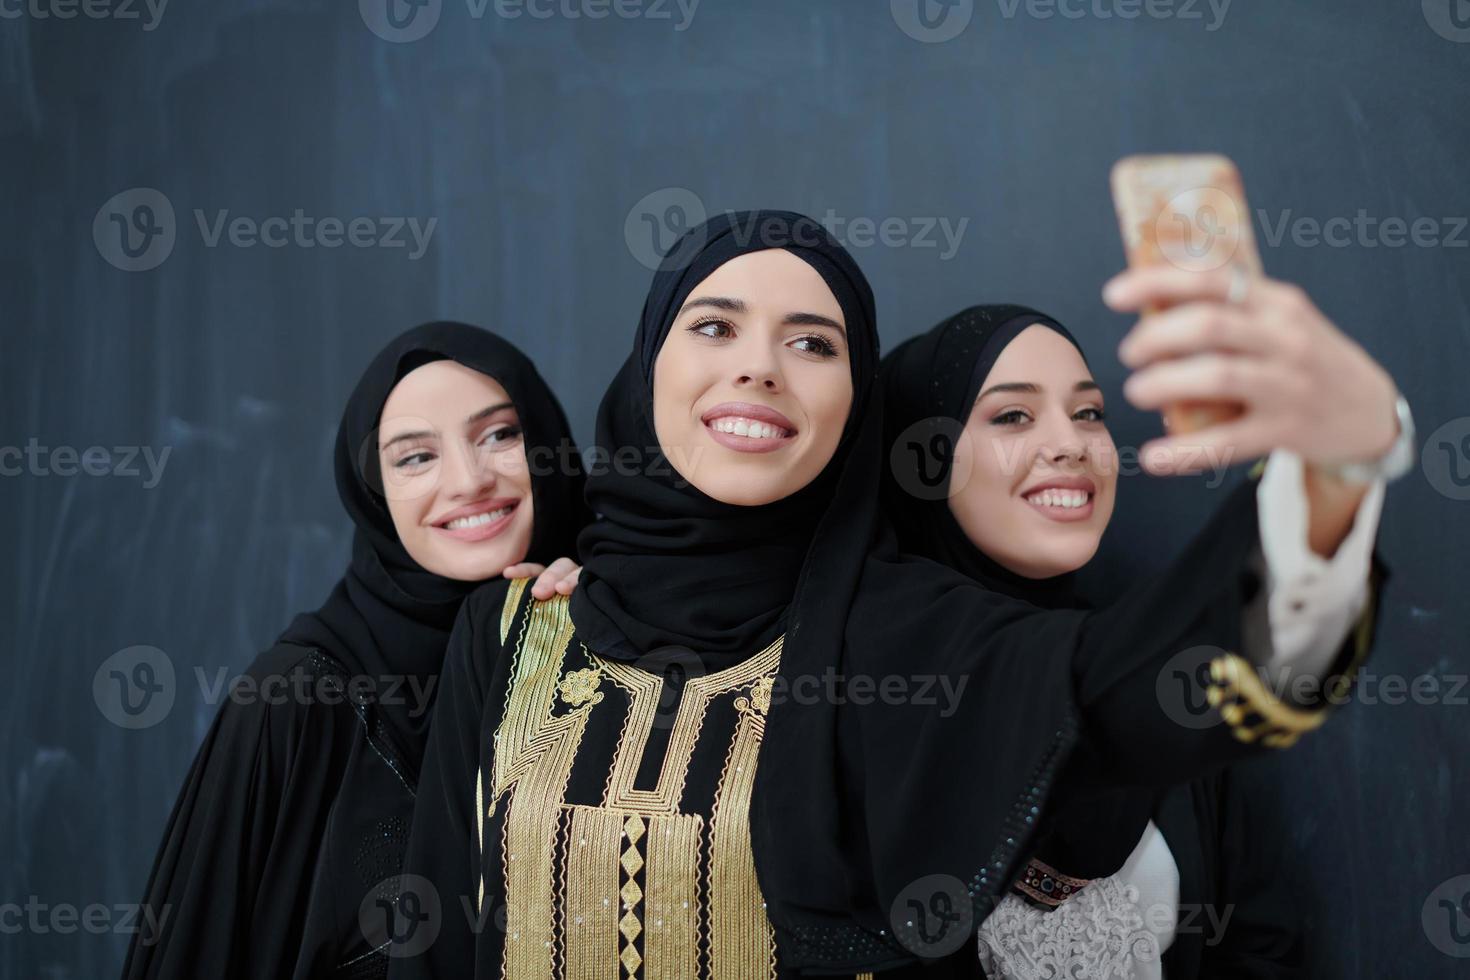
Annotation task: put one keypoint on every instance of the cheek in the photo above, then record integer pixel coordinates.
(986, 462)
(405, 513)
(829, 400)
(511, 465)
(1104, 454)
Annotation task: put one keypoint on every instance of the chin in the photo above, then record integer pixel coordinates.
(1069, 558)
(479, 563)
(745, 489)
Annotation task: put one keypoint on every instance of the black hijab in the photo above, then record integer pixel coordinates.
(389, 617)
(930, 385)
(669, 567)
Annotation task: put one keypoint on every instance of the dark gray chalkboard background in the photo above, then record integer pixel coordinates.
(535, 144)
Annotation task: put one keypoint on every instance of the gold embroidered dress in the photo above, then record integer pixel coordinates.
(611, 808)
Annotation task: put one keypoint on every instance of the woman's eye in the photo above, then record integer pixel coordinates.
(1014, 417)
(414, 460)
(816, 344)
(1091, 415)
(714, 329)
(502, 435)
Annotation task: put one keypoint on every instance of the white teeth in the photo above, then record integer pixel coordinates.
(477, 519)
(1064, 499)
(749, 428)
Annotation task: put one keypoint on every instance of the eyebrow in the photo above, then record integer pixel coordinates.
(483, 413)
(1028, 388)
(731, 305)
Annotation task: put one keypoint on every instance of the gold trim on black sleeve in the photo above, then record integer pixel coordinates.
(1251, 710)
(1255, 713)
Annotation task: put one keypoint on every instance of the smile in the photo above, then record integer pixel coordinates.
(1062, 503)
(478, 522)
(748, 428)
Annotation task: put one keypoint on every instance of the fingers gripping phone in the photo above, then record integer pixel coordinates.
(1188, 211)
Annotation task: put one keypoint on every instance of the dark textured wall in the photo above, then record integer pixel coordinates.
(546, 151)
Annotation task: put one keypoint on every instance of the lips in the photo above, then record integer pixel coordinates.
(479, 521)
(1062, 498)
(748, 427)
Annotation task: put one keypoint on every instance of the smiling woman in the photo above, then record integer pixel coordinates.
(295, 813)
(1112, 883)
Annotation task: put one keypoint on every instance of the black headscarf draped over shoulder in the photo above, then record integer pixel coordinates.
(918, 719)
(930, 385)
(669, 567)
(389, 616)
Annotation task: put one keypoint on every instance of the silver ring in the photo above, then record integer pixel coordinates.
(1240, 285)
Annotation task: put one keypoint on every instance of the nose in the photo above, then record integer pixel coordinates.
(468, 473)
(1062, 443)
(759, 368)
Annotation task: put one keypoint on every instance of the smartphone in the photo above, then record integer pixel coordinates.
(1189, 211)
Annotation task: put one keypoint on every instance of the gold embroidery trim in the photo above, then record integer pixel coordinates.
(591, 924)
(1251, 710)
(584, 885)
(527, 728)
(533, 756)
(1239, 693)
(580, 686)
(741, 943)
(671, 905)
(480, 836)
(512, 603)
(644, 691)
